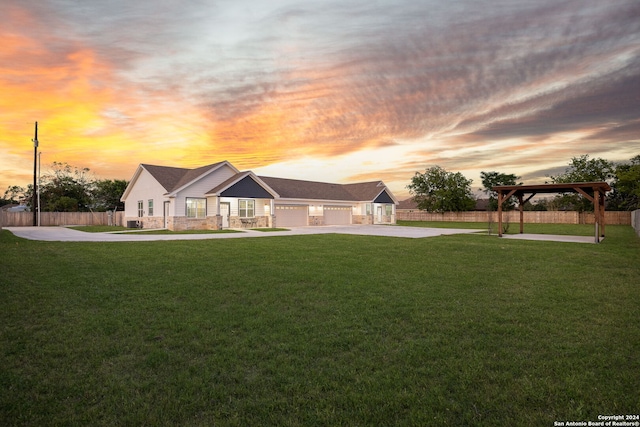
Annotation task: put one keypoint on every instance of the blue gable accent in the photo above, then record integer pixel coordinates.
(248, 188)
(384, 198)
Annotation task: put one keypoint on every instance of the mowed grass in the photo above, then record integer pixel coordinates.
(511, 228)
(319, 330)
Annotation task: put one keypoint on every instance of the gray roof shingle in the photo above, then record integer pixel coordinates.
(299, 189)
(173, 178)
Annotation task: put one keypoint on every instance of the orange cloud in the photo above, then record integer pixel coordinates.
(87, 115)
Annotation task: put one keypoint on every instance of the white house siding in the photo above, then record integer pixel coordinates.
(199, 188)
(146, 188)
(260, 204)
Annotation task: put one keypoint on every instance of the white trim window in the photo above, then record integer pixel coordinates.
(247, 208)
(150, 209)
(388, 210)
(196, 207)
(140, 208)
(368, 209)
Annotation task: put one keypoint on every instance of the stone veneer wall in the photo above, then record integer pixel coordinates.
(259, 222)
(388, 219)
(183, 223)
(362, 219)
(152, 222)
(316, 220)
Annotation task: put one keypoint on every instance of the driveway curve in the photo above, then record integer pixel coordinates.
(64, 234)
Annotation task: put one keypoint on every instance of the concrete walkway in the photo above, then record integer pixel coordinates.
(63, 234)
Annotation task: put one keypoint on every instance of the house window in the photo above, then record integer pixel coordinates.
(247, 208)
(368, 208)
(150, 210)
(140, 208)
(388, 210)
(196, 208)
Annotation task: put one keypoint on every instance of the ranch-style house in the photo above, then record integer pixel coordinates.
(219, 196)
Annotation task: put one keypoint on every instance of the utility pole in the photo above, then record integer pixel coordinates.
(39, 169)
(35, 178)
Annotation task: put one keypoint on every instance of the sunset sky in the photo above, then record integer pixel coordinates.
(338, 91)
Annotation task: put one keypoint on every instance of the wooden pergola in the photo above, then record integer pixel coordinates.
(593, 191)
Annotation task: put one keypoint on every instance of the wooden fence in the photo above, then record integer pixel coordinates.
(25, 219)
(530, 217)
(635, 220)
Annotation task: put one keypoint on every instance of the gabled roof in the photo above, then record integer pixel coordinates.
(300, 189)
(369, 191)
(166, 176)
(173, 179)
(238, 179)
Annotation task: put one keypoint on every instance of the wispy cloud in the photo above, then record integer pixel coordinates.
(471, 85)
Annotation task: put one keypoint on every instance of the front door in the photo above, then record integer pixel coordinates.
(225, 208)
(379, 214)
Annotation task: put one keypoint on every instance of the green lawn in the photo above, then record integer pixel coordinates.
(319, 330)
(513, 228)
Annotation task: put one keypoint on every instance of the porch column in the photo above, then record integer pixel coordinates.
(272, 212)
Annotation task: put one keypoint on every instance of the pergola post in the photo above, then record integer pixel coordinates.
(521, 206)
(500, 199)
(602, 207)
(596, 213)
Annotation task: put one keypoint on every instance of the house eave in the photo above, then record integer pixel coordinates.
(175, 191)
(132, 181)
(217, 191)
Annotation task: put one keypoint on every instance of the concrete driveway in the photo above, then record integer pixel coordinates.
(63, 234)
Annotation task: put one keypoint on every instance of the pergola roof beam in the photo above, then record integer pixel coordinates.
(598, 188)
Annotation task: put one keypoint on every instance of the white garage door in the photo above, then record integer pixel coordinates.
(337, 215)
(291, 215)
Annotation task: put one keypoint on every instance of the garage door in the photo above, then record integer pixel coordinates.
(291, 215)
(337, 215)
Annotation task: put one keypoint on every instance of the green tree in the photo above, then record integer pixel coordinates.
(107, 193)
(438, 190)
(492, 179)
(13, 195)
(66, 189)
(582, 169)
(69, 189)
(626, 187)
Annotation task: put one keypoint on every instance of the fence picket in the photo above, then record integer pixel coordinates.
(47, 219)
(530, 217)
